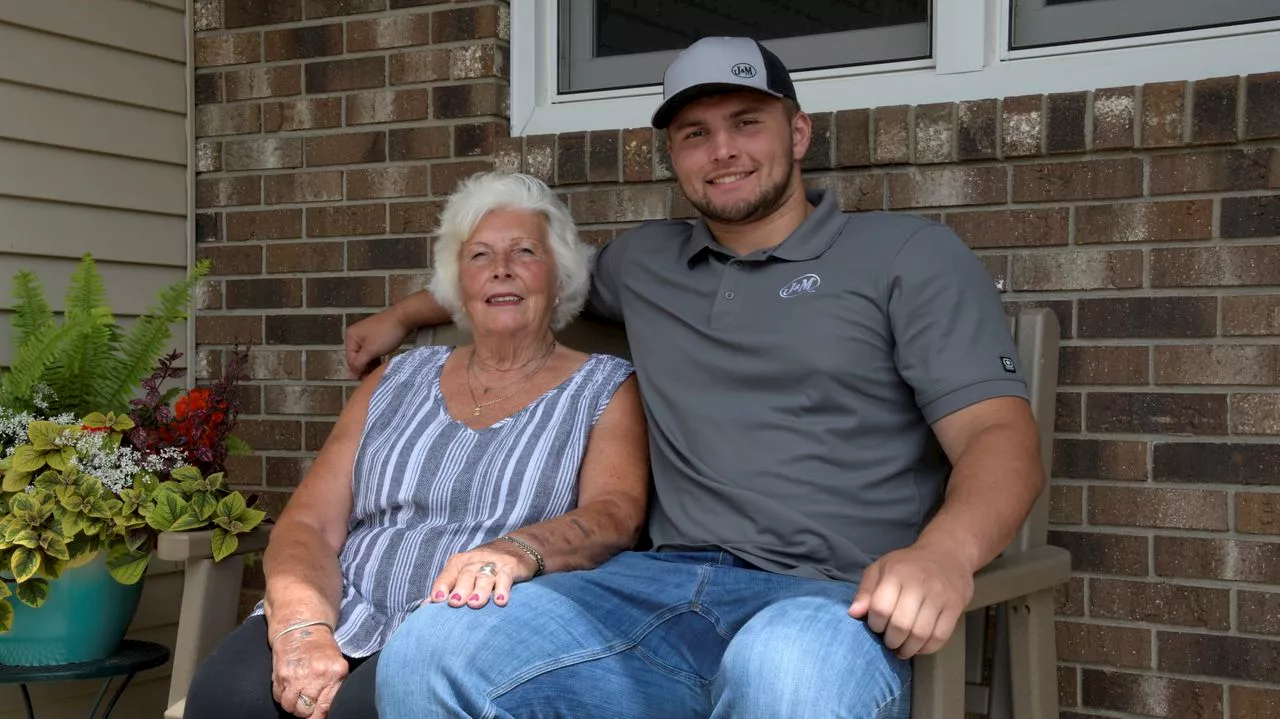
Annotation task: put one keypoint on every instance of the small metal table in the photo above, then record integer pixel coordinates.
(132, 657)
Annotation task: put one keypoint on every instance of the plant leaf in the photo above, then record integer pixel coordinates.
(203, 505)
(231, 506)
(24, 564)
(60, 459)
(55, 547)
(237, 446)
(43, 434)
(251, 518)
(186, 473)
(126, 565)
(15, 480)
(223, 543)
(26, 538)
(168, 507)
(27, 458)
(6, 615)
(187, 522)
(33, 592)
(136, 539)
(52, 568)
(4, 590)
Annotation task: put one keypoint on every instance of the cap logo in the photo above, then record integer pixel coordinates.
(743, 70)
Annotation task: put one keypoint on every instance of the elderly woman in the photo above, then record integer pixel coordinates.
(452, 474)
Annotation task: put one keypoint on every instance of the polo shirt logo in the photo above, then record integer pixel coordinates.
(800, 286)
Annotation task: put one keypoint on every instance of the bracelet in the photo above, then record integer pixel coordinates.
(299, 625)
(527, 550)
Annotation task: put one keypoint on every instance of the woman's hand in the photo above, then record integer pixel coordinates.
(307, 667)
(466, 578)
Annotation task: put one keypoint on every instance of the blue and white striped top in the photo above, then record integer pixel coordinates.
(427, 486)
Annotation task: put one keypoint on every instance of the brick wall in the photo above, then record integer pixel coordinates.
(1147, 218)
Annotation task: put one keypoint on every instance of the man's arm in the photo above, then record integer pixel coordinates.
(372, 337)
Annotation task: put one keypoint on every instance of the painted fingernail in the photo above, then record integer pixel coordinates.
(456, 597)
(439, 594)
(501, 598)
(474, 598)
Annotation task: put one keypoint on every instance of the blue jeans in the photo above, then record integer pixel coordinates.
(647, 634)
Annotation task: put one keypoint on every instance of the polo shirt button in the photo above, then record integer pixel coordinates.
(728, 295)
(735, 264)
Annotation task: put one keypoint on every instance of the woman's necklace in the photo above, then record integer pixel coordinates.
(517, 385)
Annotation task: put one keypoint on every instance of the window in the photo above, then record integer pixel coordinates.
(607, 44)
(1049, 22)
(597, 64)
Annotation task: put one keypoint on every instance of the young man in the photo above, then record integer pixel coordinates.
(839, 437)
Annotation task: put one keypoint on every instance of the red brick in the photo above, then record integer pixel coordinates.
(934, 133)
(418, 143)
(400, 286)
(473, 23)
(388, 106)
(1113, 646)
(479, 138)
(476, 100)
(258, 82)
(245, 471)
(1132, 317)
(264, 434)
(632, 204)
(1095, 365)
(232, 259)
(855, 192)
(1251, 315)
(248, 13)
(228, 329)
(348, 149)
(1218, 365)
(406, 181)
(1077, 270)
(309, 114)
(1151, 696)
(540, 157)
(304, 257)
(208, 88)
(1082, 180)
(1255, 414)
(1229, 559)
(1066, 504)
(1068, 415)
(1162, 111)
(389, 253)
(508, 154)
(891, 135)
(637, 155)
(370, 219)
(1254, 703)
(208, 157)
(208, 227)
(1250, 217)
(976, 134)
(1156, 413)
(415, 216)
(445, 176)
(1216, 463)
(853, 138)
(230, 49)
(603, 158)
(1210, 171)
(1262, 113)
(208, 295)
(472, 62)
(302, 399)
(1113, 114)
(1160, 603)
(1012, 228)
(302, 42)
(340, 75)
(1068, 681)
(1216, 266)
(331, 8)
(388, 32)
(1219, 656)
(228, 119)
(419, 66)
(304, 329)
(1144, 222)
(323, 186)
(1259, 612)
(274, 365)
(1213, 110)
(1158, 507)
(226, 191)
(1099, 459)
(1022, 126)
(571, 158)
(272, 153)
(948, 186)
(346, 292)
(270, 293)
(1066, 124)
(286, 471)
(316, 432)
(326, 365)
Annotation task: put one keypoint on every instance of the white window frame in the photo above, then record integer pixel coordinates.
(971, 61)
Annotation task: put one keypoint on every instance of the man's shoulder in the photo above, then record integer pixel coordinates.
(656, 229)
(882, 234)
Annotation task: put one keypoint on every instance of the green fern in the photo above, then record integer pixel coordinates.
(32, 312)
(79, 366)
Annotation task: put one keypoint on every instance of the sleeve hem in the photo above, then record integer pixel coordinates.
(970, 394)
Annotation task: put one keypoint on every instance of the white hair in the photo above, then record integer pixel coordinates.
(483, 193)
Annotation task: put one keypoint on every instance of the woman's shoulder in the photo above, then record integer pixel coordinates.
(418, 358)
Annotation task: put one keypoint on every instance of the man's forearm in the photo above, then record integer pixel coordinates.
(419, 309)
(989, 494)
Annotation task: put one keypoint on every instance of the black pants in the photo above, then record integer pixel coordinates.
(235, 681)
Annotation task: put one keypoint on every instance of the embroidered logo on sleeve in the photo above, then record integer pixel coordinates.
(1007, 363)
(800, 285)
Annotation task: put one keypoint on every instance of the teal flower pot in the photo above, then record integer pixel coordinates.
(84, 618)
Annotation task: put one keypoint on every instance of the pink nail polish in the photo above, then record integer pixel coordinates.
(439, 595)
(474, 598)
(500, 598)
(456, 597)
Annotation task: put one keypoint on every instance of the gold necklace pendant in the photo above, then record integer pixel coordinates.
(477, 411)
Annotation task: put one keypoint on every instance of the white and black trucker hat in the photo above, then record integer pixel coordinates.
(717, 64)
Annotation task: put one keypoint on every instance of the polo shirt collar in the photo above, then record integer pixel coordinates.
(809, 240)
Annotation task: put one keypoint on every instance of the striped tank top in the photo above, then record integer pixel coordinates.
(426, 486)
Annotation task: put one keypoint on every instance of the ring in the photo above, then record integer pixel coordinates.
(305, 701)
(488, 568)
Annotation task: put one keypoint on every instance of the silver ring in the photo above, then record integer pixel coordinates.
(488, 568)
(305, 701)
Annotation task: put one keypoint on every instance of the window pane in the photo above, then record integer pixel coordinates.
(623, 43)
(1050, 22)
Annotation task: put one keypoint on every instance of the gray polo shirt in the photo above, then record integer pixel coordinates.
(790, 392)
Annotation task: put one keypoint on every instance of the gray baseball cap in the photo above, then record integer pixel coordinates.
(717, 64)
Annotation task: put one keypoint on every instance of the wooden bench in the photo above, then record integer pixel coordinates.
(1016, 591)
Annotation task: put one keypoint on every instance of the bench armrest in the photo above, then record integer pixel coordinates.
(1019, 575)
(181, 546)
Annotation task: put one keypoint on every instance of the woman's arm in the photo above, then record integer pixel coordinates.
(613, 495)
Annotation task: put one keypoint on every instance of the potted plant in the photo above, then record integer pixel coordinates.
(100, 452)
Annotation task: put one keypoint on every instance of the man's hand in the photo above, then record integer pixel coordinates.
(371, 338)
(914, 597)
